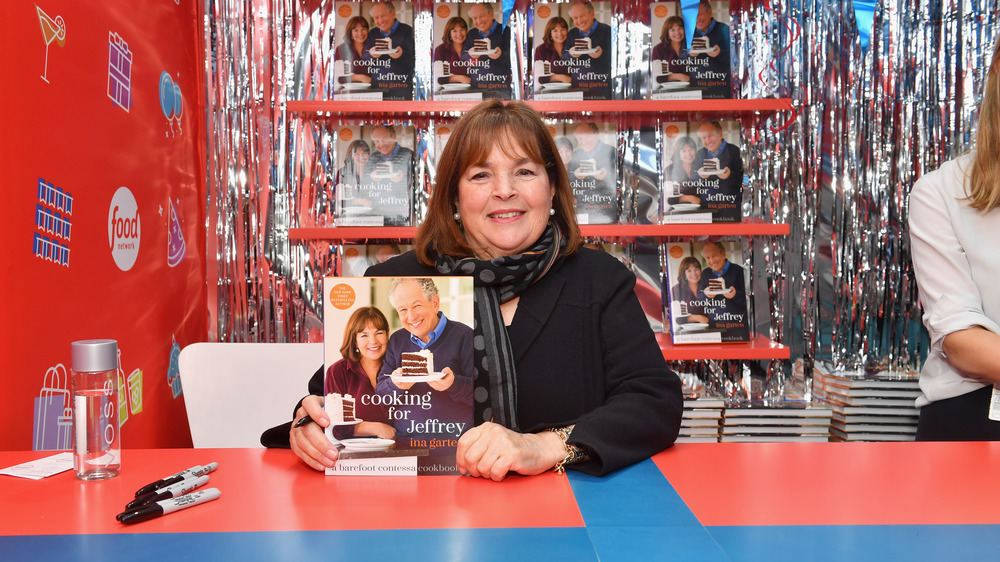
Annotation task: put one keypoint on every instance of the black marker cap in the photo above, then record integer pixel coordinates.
(140, 514)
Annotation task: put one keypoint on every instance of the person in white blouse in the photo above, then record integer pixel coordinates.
(954, 231)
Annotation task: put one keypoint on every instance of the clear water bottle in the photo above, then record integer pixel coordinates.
(96, 439)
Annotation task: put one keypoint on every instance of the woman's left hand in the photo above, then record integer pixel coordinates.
(491, 451)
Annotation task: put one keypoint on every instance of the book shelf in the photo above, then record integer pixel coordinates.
(759, 348)
(431, 108)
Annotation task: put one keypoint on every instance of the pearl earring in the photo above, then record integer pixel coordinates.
(457, 216)
(552, 212)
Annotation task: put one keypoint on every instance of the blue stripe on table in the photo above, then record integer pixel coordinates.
(635, 514)
(501, 545)
(836, 543)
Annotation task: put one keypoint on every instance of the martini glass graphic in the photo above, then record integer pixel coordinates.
(52, 30)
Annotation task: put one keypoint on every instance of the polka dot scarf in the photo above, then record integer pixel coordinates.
(497, 281)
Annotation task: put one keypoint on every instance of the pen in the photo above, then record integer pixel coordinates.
(196, 470)
(171, 491)
(163, 507)
(302, 421)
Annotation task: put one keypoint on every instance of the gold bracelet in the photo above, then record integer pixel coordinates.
(574, 453)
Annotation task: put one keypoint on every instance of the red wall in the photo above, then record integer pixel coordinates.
(138, 158)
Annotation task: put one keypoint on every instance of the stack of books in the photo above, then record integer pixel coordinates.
(877, 407)
(700, 422)
(776, 422)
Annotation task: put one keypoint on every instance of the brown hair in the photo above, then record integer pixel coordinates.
(452, 24)
(515, 128)
(685, 264)
(664, 35)
(358, 322)
(984, 178)
(558, 20)
(352, 23)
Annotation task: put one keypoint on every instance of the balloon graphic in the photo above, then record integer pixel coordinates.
(166, 94)
(171, 102)
(178, 103)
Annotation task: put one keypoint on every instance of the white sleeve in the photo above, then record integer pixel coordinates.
(950, 297)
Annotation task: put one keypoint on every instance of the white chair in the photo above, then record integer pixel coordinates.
(234, 391)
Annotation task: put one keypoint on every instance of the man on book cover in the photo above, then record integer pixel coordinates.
(489, 69)
(391, 69)
(449, 399)
(729, 306)
(719, 166)
(593, 176)
(388, 177)
(713, 72)
(591, 64)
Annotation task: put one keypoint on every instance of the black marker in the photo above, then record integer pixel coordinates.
(302, 421)
(197, 470)
(152, 510)
(171, 491)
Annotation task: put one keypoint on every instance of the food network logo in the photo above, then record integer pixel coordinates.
(124, 229)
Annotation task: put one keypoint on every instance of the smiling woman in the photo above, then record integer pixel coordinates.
(568, 373)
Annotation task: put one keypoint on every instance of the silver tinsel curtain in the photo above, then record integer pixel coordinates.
(867, 123)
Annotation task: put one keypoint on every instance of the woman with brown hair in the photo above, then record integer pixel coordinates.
(451, 50)
(569, 372)
(553, 50)
(954, 227)
(362, 352)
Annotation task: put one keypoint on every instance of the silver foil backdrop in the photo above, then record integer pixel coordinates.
(838, 169)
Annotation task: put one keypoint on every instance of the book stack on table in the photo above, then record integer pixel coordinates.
(700, 422)
(878, 407)
(772, 422)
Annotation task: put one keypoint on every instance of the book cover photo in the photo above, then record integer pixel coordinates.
(374, 58)
(398, 372)
(702, 172)
(695, 67)
(471, 57)
(708, 295)
(374, 183)
(572, 51)
(589, 154)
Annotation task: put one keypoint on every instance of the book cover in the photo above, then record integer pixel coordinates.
(374, 58)
(708, 295)
(695, 67)
(671, 68)
(399, 367)
(572, 51)
(588, 149)
(702, 172)
(374, 183)
(471, 57)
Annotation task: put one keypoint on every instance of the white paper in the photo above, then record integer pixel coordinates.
(40, 468)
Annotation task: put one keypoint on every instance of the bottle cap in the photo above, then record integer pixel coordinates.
(94, 356)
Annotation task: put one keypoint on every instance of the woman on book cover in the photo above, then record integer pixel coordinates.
(362, 354)
(671, 50)
(350, 175)
(683, 171)
(452, 51)
(954, 225)
(687, 290)
(352, 51)
(553, 51)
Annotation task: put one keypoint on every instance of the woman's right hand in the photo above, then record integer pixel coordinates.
(309, 441)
